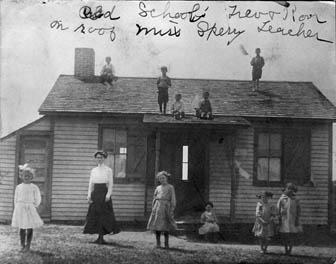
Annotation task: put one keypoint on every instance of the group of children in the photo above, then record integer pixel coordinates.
(27, 198)
(203, 108)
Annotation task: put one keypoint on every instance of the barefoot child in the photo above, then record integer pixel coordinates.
(163, 83)
(107, 74)
(163, 205)
(289, 211)
(264, 224)
(27, 198)
(257, 64)
(205, 111)
(209, 228)
(177, 108)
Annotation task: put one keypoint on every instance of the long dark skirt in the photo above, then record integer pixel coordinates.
(100, 217)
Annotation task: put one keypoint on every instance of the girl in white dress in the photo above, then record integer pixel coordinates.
(209, 228)
(27, 198)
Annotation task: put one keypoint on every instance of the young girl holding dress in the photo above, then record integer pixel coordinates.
(209, 228)
(163, 205)
(26, 199)
(289, 211)
(264, 223)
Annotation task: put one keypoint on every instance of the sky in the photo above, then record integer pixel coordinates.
(34, 52)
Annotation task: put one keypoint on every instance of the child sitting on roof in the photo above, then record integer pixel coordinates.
(177, 108)
(107, 74)
(163, 83)
(205, 109)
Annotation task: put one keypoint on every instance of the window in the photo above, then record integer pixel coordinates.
(114, 142)
(127, 153)
(269, 157)
(185, 162)
(282, 156)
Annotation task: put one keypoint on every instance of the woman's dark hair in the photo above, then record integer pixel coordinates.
(208, 203)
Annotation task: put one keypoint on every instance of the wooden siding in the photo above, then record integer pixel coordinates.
(7, 172)
(75, 141)
(7, 166)
(314, 200)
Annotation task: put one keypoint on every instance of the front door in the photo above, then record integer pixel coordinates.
(185, 158)
(34, 150)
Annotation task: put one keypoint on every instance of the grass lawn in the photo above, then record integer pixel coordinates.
(67, 244)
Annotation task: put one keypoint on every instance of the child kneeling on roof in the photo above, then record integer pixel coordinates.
(205, 109)
(209, 228)
(177, 108)
(107, 74)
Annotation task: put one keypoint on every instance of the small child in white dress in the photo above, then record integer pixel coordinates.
(27, 198)
(209, 228)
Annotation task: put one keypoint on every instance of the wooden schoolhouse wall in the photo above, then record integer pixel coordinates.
(314, 200)
(8, 162)
(75, 141)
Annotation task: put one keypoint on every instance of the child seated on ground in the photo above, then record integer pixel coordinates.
(205, 110)
(209, 228)
(107, 74)
(177, 108)
(264, 223)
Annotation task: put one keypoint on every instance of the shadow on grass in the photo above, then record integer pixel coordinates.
(112, 244)
(298, 256)
(39, 253)
(181, 250)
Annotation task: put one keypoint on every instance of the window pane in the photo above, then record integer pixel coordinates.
(123, 150)
(184, 171)
(120, 166)
(262, 169)
(108, 140)
(121, 139)
(275, 141)
(263, 144)
(185, 154)
(274, 171)
(110, 160)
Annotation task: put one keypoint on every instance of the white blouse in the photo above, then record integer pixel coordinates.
(27, 193)
(101, 174)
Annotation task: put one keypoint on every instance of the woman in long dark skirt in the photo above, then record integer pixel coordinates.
(100, 217)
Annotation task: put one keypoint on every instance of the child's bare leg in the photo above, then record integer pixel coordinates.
(160, 106)
(164, 107)
(257, 83)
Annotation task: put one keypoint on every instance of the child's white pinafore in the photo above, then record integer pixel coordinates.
(27, 198)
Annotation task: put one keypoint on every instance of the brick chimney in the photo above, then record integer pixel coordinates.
(84, 63)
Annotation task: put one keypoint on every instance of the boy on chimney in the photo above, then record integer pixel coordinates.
(257, 63)
(107, 74)
(163, 83)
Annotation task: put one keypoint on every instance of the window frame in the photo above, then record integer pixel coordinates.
(100, 146)
(282, 132)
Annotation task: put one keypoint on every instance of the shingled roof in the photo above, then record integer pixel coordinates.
(228, 97)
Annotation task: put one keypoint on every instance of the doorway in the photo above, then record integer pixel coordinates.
(34, 150)
(185, 157)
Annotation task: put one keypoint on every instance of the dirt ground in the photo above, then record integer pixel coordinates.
(67, 244)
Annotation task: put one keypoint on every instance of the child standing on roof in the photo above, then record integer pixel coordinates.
(257, 64)
(163, 83)
(177, 108)
(107, 74)
(264, 223)
(26, 199)
(289, 211)
(205, 109)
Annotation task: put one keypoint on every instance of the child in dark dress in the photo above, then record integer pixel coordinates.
(257, 64)
(205, 110)
(163, 83)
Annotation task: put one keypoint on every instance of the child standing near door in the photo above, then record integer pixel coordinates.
(163, 206)
(27, 198)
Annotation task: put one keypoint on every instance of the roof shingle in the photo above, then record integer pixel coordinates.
(228, 97)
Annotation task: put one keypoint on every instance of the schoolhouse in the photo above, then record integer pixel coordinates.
(257, 141)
